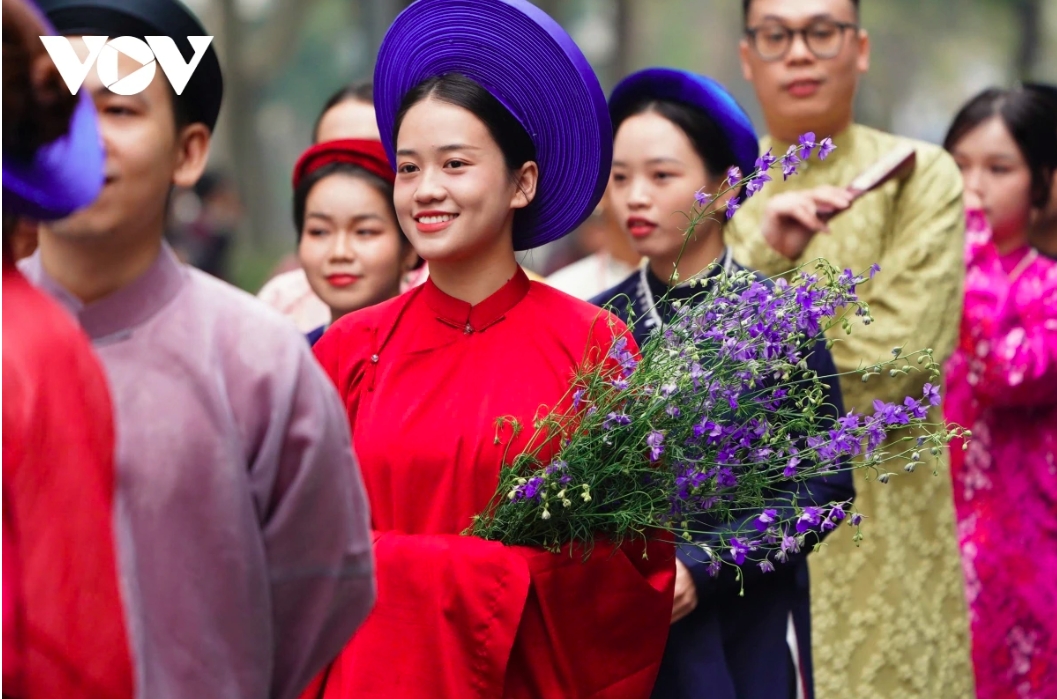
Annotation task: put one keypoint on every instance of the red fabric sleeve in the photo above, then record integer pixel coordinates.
(58, 490)
(445, 620)
(458, 612)
(594, 629)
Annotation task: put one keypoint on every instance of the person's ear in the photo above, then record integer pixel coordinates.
(862, 61)
(743, 53)
(192, 144)
(525, 179)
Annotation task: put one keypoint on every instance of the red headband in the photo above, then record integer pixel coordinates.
(370, 155)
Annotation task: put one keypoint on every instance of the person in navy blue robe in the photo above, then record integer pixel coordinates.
(676, 135)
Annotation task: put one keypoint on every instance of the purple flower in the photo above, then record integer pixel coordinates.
(789, 163)
(764, 521)
(555, 466)
(615, 419)
(732, 206)
(932, 394)
(578, 398)
(874, 269)
(807, 142)
(530, 490)
(809, 519)
(673, 411)
(825, 148)
(696, 374)
(656, 444)
(620, 352)
(836, 514)
(725, 478)
(702, 198)
(765, 161)
(790, 468)
(849, 421)
(733, 175)
(707, 427)
(766, 566)
(714, 567)
(856, 519)
(915, 409)
(620, 384)
(756, 184)
(890, 414)
(738, 550)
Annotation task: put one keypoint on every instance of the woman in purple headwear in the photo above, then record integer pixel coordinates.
(678, 133)
(1002, 383)
(64, 629)
(500, 138)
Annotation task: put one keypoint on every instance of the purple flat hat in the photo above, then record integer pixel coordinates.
(62, 176)
(697, 91)
(533, 67)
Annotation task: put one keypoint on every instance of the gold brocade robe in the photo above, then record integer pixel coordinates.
(888, 618)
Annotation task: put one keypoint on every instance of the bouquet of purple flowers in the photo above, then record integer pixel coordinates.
(719, 416)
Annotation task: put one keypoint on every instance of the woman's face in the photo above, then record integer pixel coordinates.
(656, 172)
(351, 248)
(454, 195)
(997, 176)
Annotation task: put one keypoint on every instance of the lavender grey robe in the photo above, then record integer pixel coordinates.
(242, 524)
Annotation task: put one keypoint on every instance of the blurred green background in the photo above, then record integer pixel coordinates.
(283, 58)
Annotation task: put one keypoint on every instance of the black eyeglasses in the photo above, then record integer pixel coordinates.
(824, 38)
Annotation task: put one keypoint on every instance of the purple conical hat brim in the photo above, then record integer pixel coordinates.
(533, 67)
(62, 176)
(697, 91)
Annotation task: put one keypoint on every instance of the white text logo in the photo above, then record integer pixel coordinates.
(103, 55)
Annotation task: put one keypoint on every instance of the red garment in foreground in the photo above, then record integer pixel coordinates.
(64, 627)
(424, 378)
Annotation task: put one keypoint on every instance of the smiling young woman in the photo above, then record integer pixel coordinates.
(677, 134)
(485, 165)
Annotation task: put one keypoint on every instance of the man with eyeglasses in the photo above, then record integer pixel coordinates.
(888, 617)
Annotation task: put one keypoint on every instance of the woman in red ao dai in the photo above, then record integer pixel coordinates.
(425, 376)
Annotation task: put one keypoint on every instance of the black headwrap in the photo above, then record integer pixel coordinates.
(139, 18)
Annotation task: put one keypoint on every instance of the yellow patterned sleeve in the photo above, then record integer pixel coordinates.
(917, 296)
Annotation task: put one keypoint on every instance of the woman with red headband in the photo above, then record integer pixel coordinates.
(349, 242)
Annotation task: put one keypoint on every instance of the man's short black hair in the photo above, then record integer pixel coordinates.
(746, 4)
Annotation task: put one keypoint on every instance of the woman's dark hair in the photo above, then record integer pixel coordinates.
(313, 178)
(709, 141)
(461, 91)
(357, 92)
(1030, 116)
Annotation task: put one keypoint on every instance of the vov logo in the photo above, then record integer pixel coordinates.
(157, 50)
